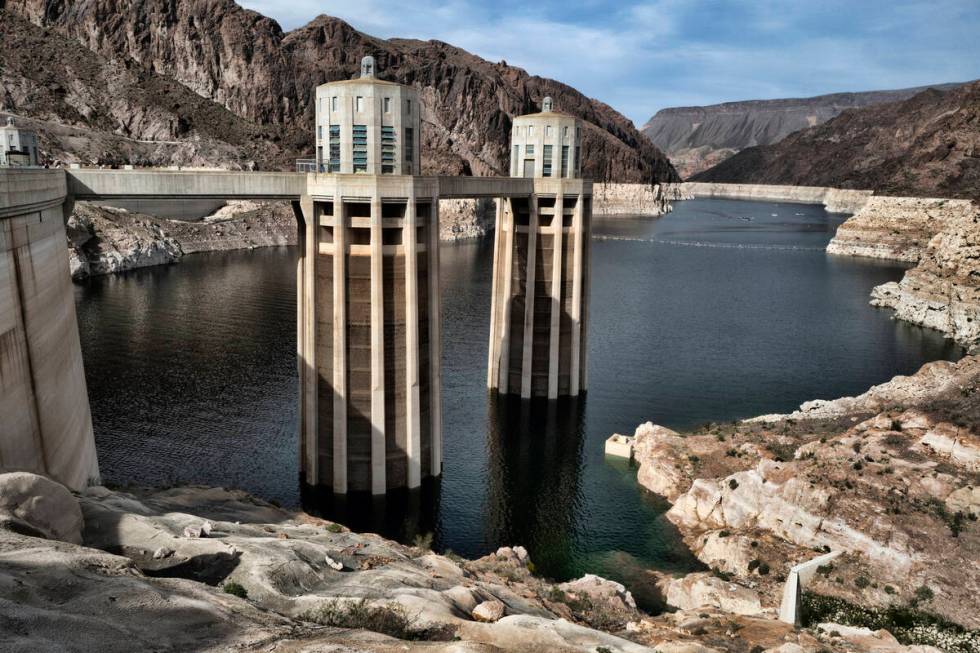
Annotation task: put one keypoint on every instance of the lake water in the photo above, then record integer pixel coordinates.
(718, 311)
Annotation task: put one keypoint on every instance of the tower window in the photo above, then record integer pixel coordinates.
(546, 162)
(408, 106)
(564, 160)
(359, 104)
(333, 103)
(334, 163)
(360, 138)
(409, 148)
(547, 131)
(387, 105)
(387, 149)
(529, 150)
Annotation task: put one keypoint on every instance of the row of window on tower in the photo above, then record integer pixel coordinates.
(386, 104)
(360, 151)
(528, 132)
(524, 166)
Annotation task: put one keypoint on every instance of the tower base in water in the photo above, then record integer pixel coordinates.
(539, 316)
(368, 337)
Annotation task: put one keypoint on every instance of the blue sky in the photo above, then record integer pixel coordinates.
(643, 56)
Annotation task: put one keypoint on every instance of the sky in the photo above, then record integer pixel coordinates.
(643, 56)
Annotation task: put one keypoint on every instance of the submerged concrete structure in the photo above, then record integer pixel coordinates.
(369, 310)
(368, 288)
(539, 316)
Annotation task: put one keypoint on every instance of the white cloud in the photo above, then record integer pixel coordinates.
(644, 55)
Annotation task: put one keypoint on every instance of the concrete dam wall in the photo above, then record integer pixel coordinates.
(46, 425)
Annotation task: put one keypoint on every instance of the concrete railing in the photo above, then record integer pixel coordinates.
(800, 575)
(30, 189)
(86, 184)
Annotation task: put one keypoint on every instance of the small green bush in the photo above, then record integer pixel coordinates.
(423, 541)
(334, 528)
(235, 589)
(923, 593)
(862, 582)
(732, 484)
(392, 620)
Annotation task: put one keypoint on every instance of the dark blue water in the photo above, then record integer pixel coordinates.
(718, 311)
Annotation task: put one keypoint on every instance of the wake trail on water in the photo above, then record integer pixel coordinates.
(698, 243)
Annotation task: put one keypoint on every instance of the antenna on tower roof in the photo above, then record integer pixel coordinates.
(367, 67)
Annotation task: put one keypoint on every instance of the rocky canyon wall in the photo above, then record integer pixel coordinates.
(634, 199)
(835, 200)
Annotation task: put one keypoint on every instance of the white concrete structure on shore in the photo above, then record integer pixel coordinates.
(18, 147)
(539, 317)
(800, 575)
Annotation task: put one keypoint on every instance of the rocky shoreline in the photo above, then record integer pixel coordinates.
(890, 478)
(105, 240)
(613, 199)
(211, 569)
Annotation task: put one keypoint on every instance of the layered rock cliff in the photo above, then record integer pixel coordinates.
(245, 63)
(696, 138)
(925, 146)
(942, 292)
(896, 228)
(104, 240)
(889, 478)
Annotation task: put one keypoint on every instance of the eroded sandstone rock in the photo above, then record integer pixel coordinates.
(36, 505)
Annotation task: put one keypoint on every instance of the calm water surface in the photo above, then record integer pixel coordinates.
(720, 310)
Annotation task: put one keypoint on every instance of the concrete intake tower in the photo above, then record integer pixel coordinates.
(539, 317)
(369, 294)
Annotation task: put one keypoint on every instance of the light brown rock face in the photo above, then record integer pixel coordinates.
(634, 199)
(265, 77)
(897, 228)
(943, 291)
(702, 590)
(37, 505)
(895, 492)
(103, 240)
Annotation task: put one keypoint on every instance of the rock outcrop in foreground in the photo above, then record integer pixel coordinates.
(209, 569)
(890, 478)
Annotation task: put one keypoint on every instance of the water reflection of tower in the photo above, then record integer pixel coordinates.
(535, 464)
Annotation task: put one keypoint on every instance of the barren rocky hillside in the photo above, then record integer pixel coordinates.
(926, 146)
(246, 63)
(696, 138)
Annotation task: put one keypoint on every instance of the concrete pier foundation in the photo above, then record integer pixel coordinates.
(539, 316)
(369, 337)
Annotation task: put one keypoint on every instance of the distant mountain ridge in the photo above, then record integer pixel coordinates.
(266, 77)
(695, 138)
(926, 146)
